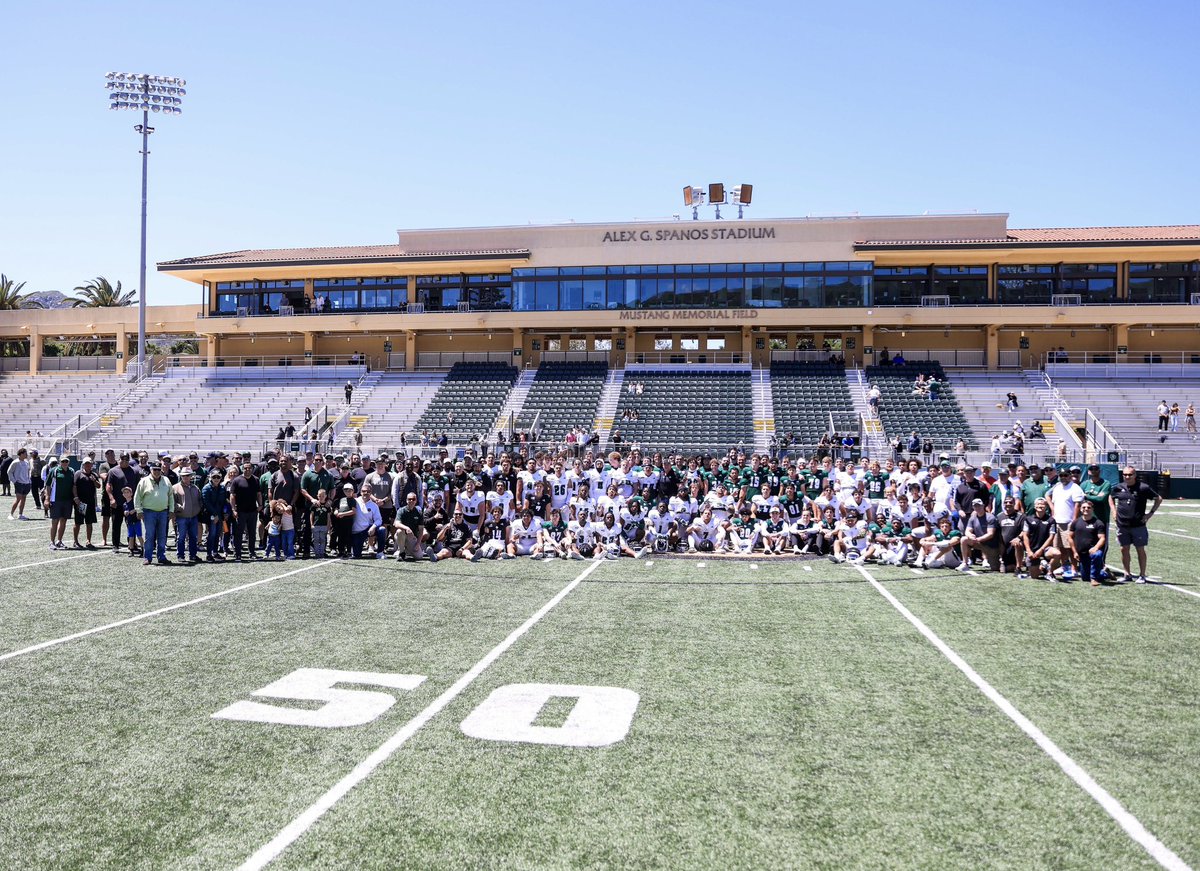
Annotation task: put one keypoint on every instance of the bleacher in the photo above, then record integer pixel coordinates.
(805, 395)
(701, 410)
(396, 404)
(44, 402)
(474, 393)
(901, 412)
(230, 412)
(565, 394)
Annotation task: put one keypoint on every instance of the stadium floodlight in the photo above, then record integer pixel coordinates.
(147, 93)
(742, 194)
(693, 198)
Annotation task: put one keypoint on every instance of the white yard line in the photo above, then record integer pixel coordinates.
(119, 623)
(47, 562)
(1127, 821)
(1174, 534)
(301, 824)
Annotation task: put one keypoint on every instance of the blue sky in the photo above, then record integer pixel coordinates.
(309, 126)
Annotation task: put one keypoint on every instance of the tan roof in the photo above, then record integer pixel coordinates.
(1174, 232)
(1058, 235)
(342, 254)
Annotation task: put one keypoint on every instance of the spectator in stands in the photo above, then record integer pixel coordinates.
(308, 413)
(1035, 430)
(349, 391)
(1012, 403)
(1164, 412)
(885, 357)
(1189, 419)
(935, 387)
(873, 397)
(1127, 502)
(1174, 416)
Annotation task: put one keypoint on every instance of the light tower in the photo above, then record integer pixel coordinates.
(145, 93)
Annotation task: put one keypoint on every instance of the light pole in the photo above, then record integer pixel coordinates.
(144, 93)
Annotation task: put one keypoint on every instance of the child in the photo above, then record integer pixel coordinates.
(320, 523)
(275, 531)
(133, 526)
(287, 525)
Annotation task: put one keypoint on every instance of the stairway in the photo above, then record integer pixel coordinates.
(764, 409)
(516, 399)
(106, 427)
(610, 401)
(876, 445)
(347, 414)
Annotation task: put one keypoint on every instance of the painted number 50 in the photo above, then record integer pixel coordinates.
(601, 715)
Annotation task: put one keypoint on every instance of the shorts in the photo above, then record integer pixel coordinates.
(1138, 536)
(22, 489)
(86, 514)
(133, 529)
(61, 510)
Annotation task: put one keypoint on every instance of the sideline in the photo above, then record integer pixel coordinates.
(1127, 821)
(169, 608)
(49, 561)
(301, 824)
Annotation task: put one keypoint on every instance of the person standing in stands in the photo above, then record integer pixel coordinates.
(1164, 412)
(1128, 503)
(349, 391)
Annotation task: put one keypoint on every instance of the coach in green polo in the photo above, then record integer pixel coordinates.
(312, 482)
(154, 504)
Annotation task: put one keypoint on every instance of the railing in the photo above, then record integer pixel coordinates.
(574, 356)
(396, 360)
(1066, 432)
(1098, 433)
(1108, 364)
(195, 361)
(415, 308)
(638, 358)
(1057, 403)
(1008, 359)
(949, 358)
(446, 359)
(798, 356)
(79, 364)
(14, 364)
(1065, 299)
(935, 301)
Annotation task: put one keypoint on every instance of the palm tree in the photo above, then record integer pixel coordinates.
(11, 297)
(98, 293)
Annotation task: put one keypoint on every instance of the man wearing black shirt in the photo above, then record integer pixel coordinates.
(432, 520)
(86, 485)
(408, 525)
(1127, 503)
(1012, 524)
(120, 477)
(245, 497)
(968, 490)
(1087, 536)
(981, 533)
(1038, 538)
(454, 539)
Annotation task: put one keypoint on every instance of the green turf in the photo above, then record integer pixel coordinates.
(788, 717)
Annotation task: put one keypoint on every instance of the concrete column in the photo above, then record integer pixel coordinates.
(122, 350)
(410, 350)
(35, 351)
(214, 350)
(412, 288)
(747, 344)
(868, 341)
(993, 348)
(630, 345)
(1120, 336)
(518, 343)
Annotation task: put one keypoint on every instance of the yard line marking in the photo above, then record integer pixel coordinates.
(1174, 534)
(808, 568)
(1127, 821)
(301, 824)
(49, 561)
(1177, 589)
(84, 634)
(1180, 529)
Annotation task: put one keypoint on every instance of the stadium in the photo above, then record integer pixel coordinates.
(656, 544)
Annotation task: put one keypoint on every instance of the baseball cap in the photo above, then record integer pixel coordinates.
(1094, 467)
(1075, 469)
(186, 473)
(975, 502)
(349, 487)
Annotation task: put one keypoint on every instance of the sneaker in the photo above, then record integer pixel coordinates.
(612, 555)
(962, 567)
(642, 552)
(1068, 573)
(537, 556)
(507, 556)
(1141, 579)
(475, 557)
(432, 557)
(576, 555)
(22, 517)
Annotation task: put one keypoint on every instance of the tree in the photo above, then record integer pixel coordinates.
(98, 293)
(11, 297)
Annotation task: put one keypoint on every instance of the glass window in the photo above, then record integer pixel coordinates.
(524, 296)
(576, 344)
(662, 343)
(571, 294)
(547, 296)
(602, 344)
(544, 270)
(593, 294)
(553, 344)
(714, 343)
(689, 343)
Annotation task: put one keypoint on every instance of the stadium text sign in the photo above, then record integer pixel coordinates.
(600, 716)
(688, 234)
(683, 314)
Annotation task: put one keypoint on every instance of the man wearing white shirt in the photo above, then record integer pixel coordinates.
(502, 498)
(1065, 498)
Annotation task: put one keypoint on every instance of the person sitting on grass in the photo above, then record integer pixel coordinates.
(583, 534)
(554, 540)
(775, 533)
(662, 533)
(941, 549)
(526, 533)
(611, 537)
(852, 539)
(741, 534)
(454, 539)
(495, 537)
(703, 532)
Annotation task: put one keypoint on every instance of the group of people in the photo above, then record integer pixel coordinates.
(1029, 521)
(1169, 415)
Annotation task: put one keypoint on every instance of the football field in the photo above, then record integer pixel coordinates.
(658, 713)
